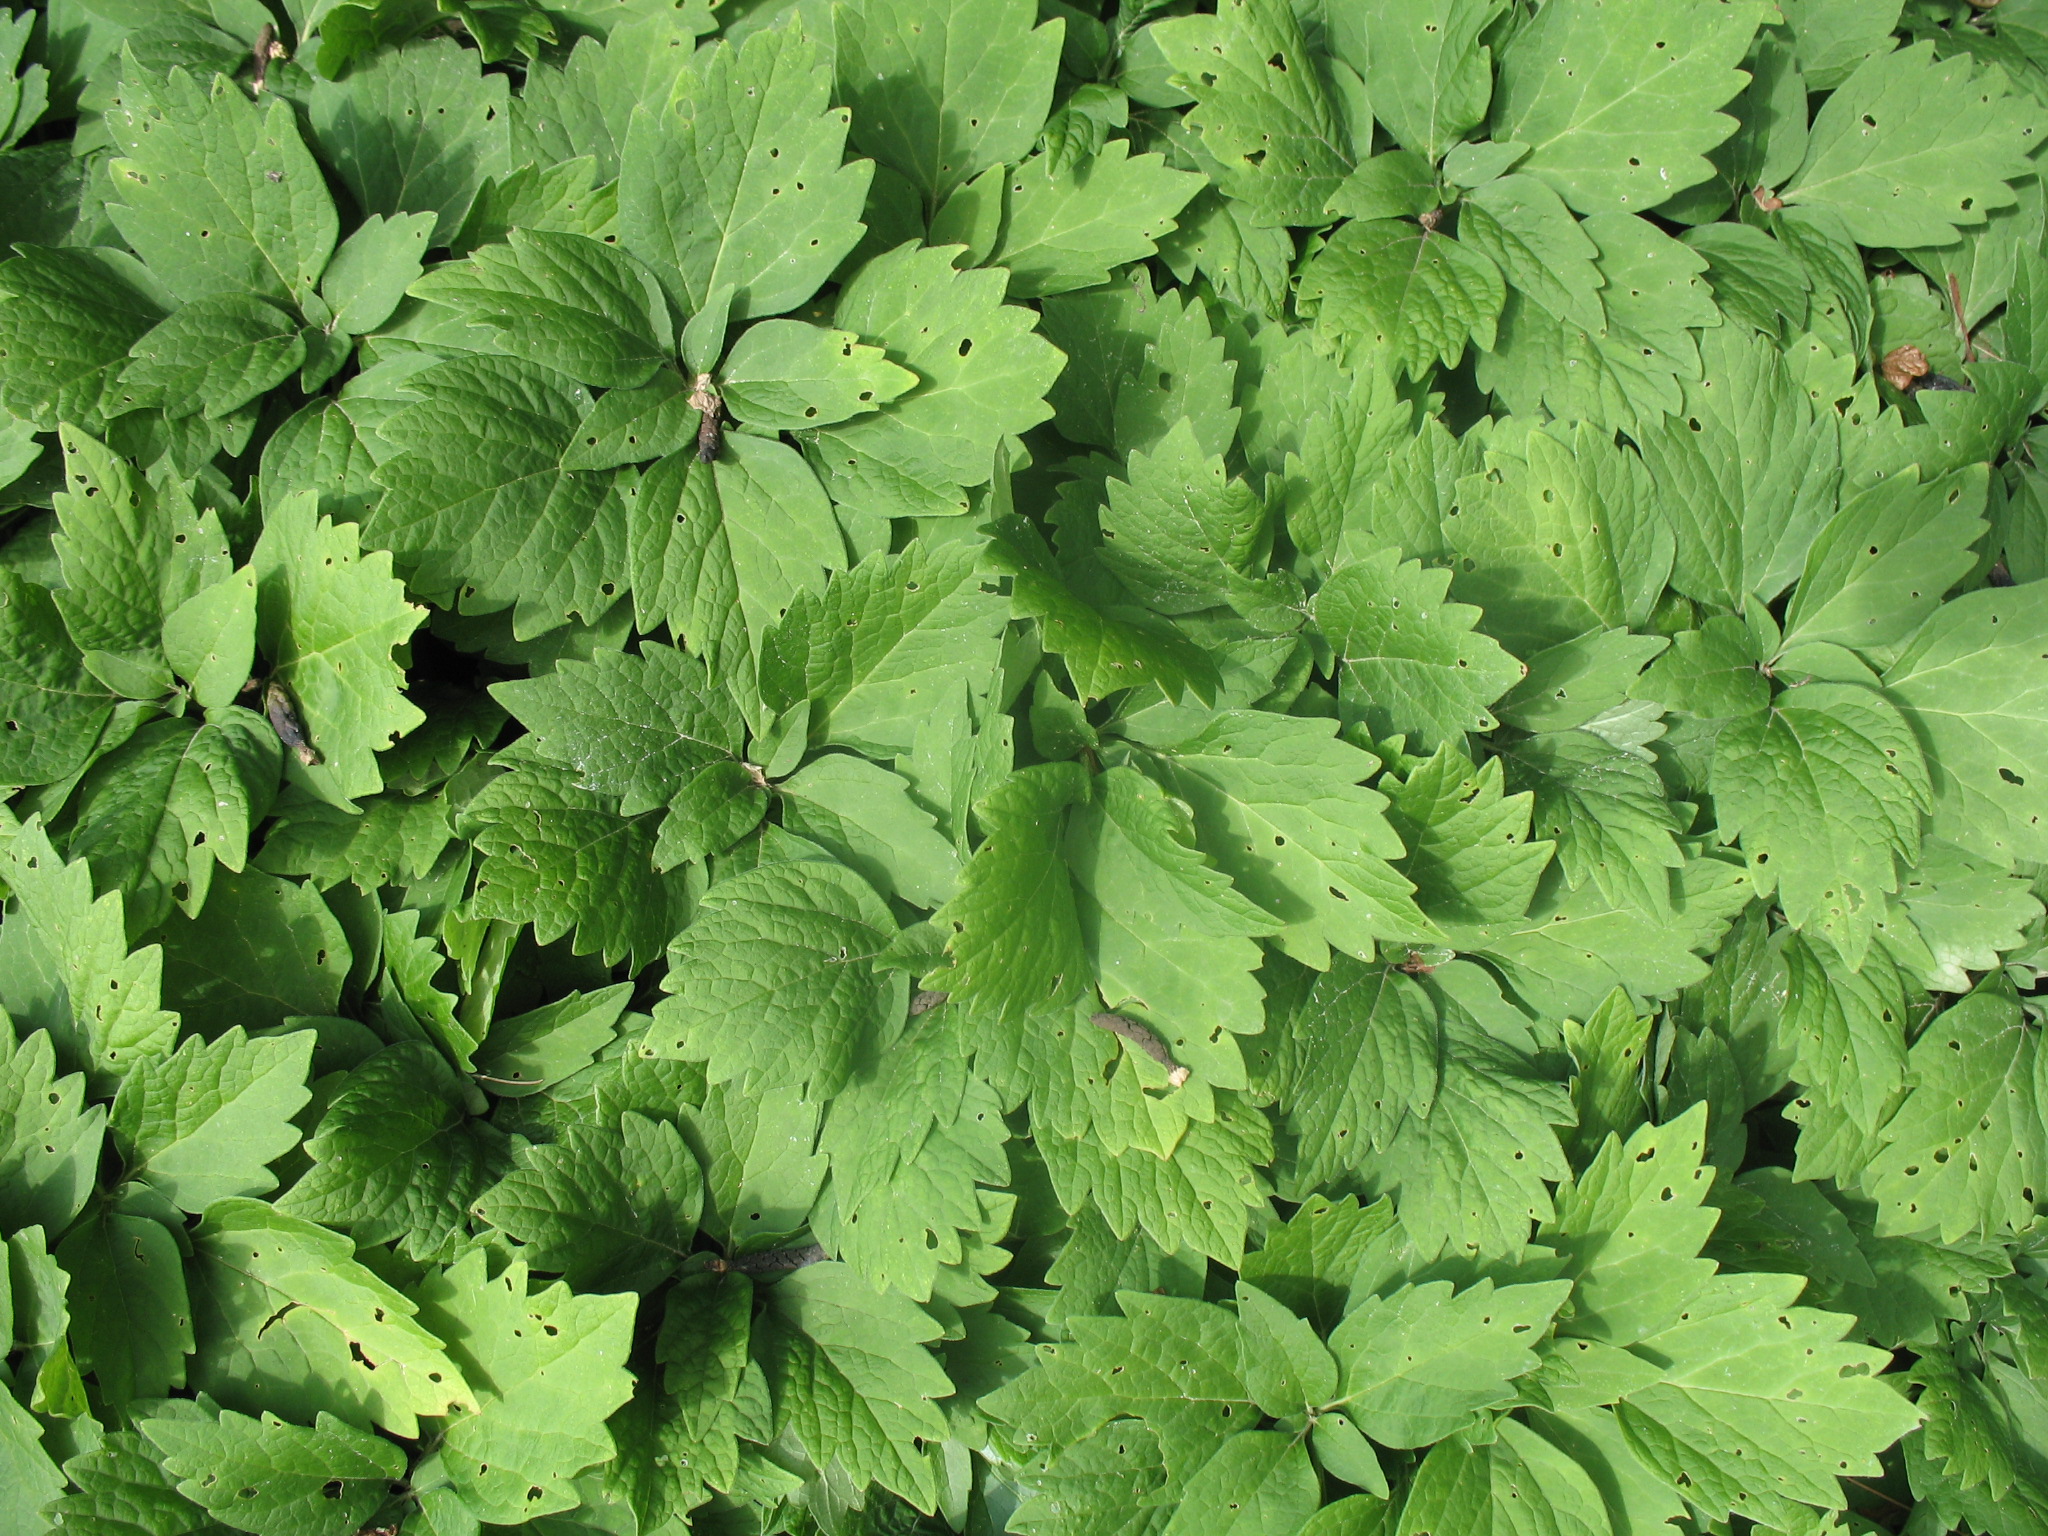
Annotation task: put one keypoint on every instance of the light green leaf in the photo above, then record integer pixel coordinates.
(1617, 101)
(217, 193)
(1825, 792)
(1974, 683)
(1180, 533)
(158, 813)
(1359, 1054)
(1412, 294)
(1910, 148)
(1015, 944)
(1257, 1484)
(210, 639)
(278, 1479)
(851, 1378)
(943, 89)
(983, 375)
(1469, 851)
(205, 1122)
(531, 1051)
(121, 1485)
(610, 1207)
(722, 551)
(1518, 1483)
(864, 814)
(1106, 647)
(52, 1140)
(1881, 565)
(1760, 1406)
(543, 1391)
(631, 426)
(395, 1159)
(288, 1316)
(786, 375)
(29, 1479)
(1419, 1363)
(774, 981)
(372, 268)
(1960, 1154)
(1070, 228)
(1967, 911)
(1283, 139)
(1606, 811)
(735, 179)
(1409, 660)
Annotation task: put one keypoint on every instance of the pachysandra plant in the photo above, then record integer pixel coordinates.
(861, 766)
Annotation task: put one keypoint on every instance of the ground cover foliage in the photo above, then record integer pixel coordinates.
(950, 765)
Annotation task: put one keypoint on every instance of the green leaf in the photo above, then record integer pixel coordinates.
(564, 860)
(942, 91)
(210, 639)
(372, 269)
(864, 815)
(217, 194)
(158, 813)
(1256, 1483)
(983, 375)
(1419, 1363)
(131, 1317)
(1281, 138)
(651, 730)
(205, 1122)
(31, 1479)
(1409, 661)
(1179, 533)
(1617, 102)
(265, 950)
(65, 330)
(52, 1139)
(532, 1051)
(1412, 294)
(1825, 791)
(1014, 944)
(851, 1378)
(1107, 647)
(52, 708)
(414, 130)
(1518, 1482)
(214, 355)
(1469, 853)
(785, 376)
(1430, 77)
(774, 981)
(395, 1159)
(121, 1485)
(566, 302)
(1959, 1153)
(1725, 1417)
(1361, 1054)
(1606, 811)
(615, 1205)
(735, 179)
(1849, 1027)
(498, 523)
(1168, 935)
(1069, 228)
(544, 1391)
(1881, 565)
(1909, 149)
(722, 551)
(1973, 684)
(287, 1316)
(1277, 802)
(278, 1479)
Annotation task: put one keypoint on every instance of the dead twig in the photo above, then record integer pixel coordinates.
(1144, 1040)
(772, 1261)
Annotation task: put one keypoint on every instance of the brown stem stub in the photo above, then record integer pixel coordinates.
(773, 1261)
(1144, 1040)
(1902, 365)
(1767, 200)
(1431, 219)
(710, 406)
(267, 48)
